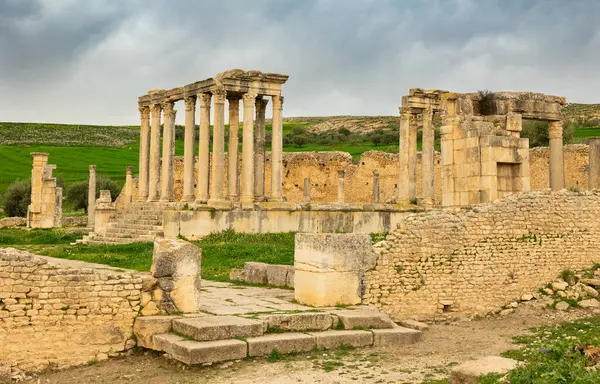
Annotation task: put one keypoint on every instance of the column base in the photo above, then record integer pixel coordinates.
(247, 202)
(219, 203)
(188, 199)
(276, 199)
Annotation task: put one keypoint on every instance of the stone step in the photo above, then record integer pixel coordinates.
(303, 321)
(201, 352)
(363, 319)
(292, 342)
(218, 327)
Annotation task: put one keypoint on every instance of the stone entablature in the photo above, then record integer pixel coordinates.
(455, 264)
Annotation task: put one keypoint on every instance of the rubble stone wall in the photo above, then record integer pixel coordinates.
(323, 167)
(442, 264)
(58, 313)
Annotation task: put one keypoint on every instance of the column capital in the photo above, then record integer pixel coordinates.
(92, 168)
(261, 103)
(204, 100)
(144, 112)
(156, 109)
(249, 98)
(555, 129)
(190, 103)
(220, 95)
(168, 108)
(277, 102)
(405, 113)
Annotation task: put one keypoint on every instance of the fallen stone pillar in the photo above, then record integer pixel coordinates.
(594, 163)
(340, 194)
(176, 267)
(91, 196)
(557, 162)
(104, 210)
(375, 198)
(329, 267)
(307, 190)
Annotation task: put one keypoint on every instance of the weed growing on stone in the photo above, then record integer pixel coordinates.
(276, 356)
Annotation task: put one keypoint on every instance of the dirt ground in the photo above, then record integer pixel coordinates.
(444, 346)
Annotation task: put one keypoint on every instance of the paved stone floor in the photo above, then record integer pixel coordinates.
(227, 299)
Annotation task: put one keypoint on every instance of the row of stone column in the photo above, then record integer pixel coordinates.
(253, 150)
(407, 183)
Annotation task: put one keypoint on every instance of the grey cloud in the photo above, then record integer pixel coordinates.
(343, 56)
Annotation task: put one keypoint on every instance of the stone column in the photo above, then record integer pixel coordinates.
(189, 148)
(412, 158)
(144, 153)
(557, 164)
(233, 188)
(167, 174)
(277, 150)
(375, 198)
(128, 184)
(594, 161)
(427, 153)
(91, 196)
(204, 149)
(307, 190)
(259, 149)
(247, 197)
(154, 173)
(218, 153)
(340, 195)
(403, 154)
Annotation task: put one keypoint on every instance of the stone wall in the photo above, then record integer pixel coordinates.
(58, 313)
(322, 168)
(441, 264)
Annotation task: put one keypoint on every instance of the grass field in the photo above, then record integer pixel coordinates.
(220, 252)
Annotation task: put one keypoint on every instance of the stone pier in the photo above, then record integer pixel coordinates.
(91, 196)
(45, 210)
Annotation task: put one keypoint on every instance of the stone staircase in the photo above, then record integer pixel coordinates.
(204, 338)
(141, 221)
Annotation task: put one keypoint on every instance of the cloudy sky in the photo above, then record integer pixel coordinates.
(87, 61)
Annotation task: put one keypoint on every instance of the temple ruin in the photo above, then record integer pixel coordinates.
(45, 210)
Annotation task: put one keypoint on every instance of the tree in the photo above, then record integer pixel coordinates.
(17, 198)
(77, 193)
(300, 140)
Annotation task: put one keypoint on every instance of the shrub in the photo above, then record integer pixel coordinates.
(17, 198)
(77, 194)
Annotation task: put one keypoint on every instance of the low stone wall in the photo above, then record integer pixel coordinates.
(74, 221)
(12, 221)
(262, 273)
(58, 313)
(442, 264)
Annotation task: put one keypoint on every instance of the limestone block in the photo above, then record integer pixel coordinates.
(145, 327)
(562, 306)
(413, 324)
(592, 282)
(176, 265)
(194, 352)
(307, 321)
(469, 372)
(237, 274)
(395, 336)
(210, 328)
(364, 319)
(256, 273)
(559, 285)
(589, 303)
(335, 339)
(164, 342)
(329, 267)
(278, 274)
(590, 291)
(283, 343)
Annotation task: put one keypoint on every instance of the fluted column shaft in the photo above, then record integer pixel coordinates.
(154, 173)
(92, 196)
(277, 149)
(557, 162)
(427, 155)
(412, 158)
(188, 148)
(247, 197)
(403, 154)
(204, 149)
(218, 150)
(168, 149)
(232, 152)
(144, 153)
(259, 149)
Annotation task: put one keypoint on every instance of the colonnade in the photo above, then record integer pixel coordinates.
(210, 187)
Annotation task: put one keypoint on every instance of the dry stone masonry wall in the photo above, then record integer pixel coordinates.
(443, 264)
(58, 313)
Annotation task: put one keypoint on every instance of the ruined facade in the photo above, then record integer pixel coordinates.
(45, 210)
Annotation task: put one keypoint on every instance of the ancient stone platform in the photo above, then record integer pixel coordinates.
(235, 322)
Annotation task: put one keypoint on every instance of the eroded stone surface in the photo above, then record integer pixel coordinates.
(395, 336)
(335, 339)
(283, 343)
(208, 328)
(469, 372)
(307, 321)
